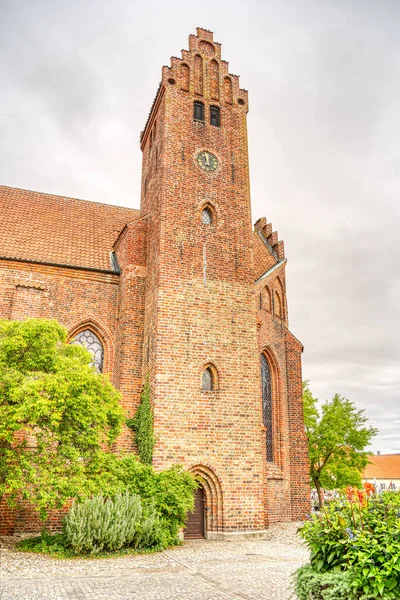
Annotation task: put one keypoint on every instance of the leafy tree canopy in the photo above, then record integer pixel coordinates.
(57, 415)
(337, 440)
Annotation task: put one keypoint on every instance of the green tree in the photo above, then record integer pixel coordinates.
(142, 426)
(337, 438)
(57, 415)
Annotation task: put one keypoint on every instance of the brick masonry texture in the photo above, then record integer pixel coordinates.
(186, 296)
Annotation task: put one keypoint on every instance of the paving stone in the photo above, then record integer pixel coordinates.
(198, 570)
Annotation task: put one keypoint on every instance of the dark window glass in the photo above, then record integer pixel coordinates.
(206, 216)
(198, 113)
(207, 380)
(214, 116)
(267, 405)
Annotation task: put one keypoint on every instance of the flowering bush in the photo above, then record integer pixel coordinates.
(359, 533)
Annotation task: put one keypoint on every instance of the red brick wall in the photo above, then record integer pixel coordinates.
(288, 489)
(186, 298)
(196, 322)
(7, 518)
(298, 451)
(131, 252)
(109, 304)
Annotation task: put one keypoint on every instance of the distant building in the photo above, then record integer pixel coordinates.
(383, 472)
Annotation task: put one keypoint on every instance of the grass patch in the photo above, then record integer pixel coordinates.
(54, 546)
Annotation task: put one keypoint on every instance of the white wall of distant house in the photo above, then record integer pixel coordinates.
(378, 482)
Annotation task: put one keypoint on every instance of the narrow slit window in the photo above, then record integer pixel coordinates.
(198, 111)
(215, 116)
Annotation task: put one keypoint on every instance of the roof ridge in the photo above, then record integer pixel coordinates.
(388, 454)
(69, 198)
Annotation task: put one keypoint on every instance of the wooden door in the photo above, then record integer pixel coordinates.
(195, 524)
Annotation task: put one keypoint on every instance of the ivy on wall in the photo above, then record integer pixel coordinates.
(142, 426)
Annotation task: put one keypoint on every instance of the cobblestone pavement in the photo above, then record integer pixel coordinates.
(198, 570)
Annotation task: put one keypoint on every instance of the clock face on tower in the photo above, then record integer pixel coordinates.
(207, 161)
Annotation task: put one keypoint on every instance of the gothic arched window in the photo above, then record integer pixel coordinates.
(91, 342)
(206, 216)
(207, 381)
(266, 382)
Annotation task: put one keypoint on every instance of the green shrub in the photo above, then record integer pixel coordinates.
(102, 524)
(45, 543)
(333, 585)
(117, 485)
(142, 426)
(171, 492)
(360, 534)
(311, 585)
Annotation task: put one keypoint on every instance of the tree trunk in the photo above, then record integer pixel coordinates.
(320, 495)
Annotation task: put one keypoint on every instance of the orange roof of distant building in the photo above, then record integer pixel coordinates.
(53, 229)
(383, 466)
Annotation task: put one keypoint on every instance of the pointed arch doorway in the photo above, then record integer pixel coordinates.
(195, 524)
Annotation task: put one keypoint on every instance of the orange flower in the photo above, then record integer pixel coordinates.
(350, 494)
(362, 498)
(369, 489)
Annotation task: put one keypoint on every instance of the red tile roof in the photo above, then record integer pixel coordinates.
(58, 230)
(383, 466)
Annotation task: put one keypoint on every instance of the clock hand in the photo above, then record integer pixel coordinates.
(207, 158)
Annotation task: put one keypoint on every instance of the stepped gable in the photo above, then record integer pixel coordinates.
(40, 227)
(214, 83)
(268, 249)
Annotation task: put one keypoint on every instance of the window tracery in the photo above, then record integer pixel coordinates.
(266, 382)
(89, 340)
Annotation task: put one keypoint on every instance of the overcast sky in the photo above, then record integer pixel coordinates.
(78, 78)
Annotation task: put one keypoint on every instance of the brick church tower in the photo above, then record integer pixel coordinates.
(184, 291)
(203, 335)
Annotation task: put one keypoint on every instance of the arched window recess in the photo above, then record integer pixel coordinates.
(267, 407)
(209, 378)
(89, 340)
(207, 215)
(94, 335)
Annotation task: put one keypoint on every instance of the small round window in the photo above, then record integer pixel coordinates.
(206, 216)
